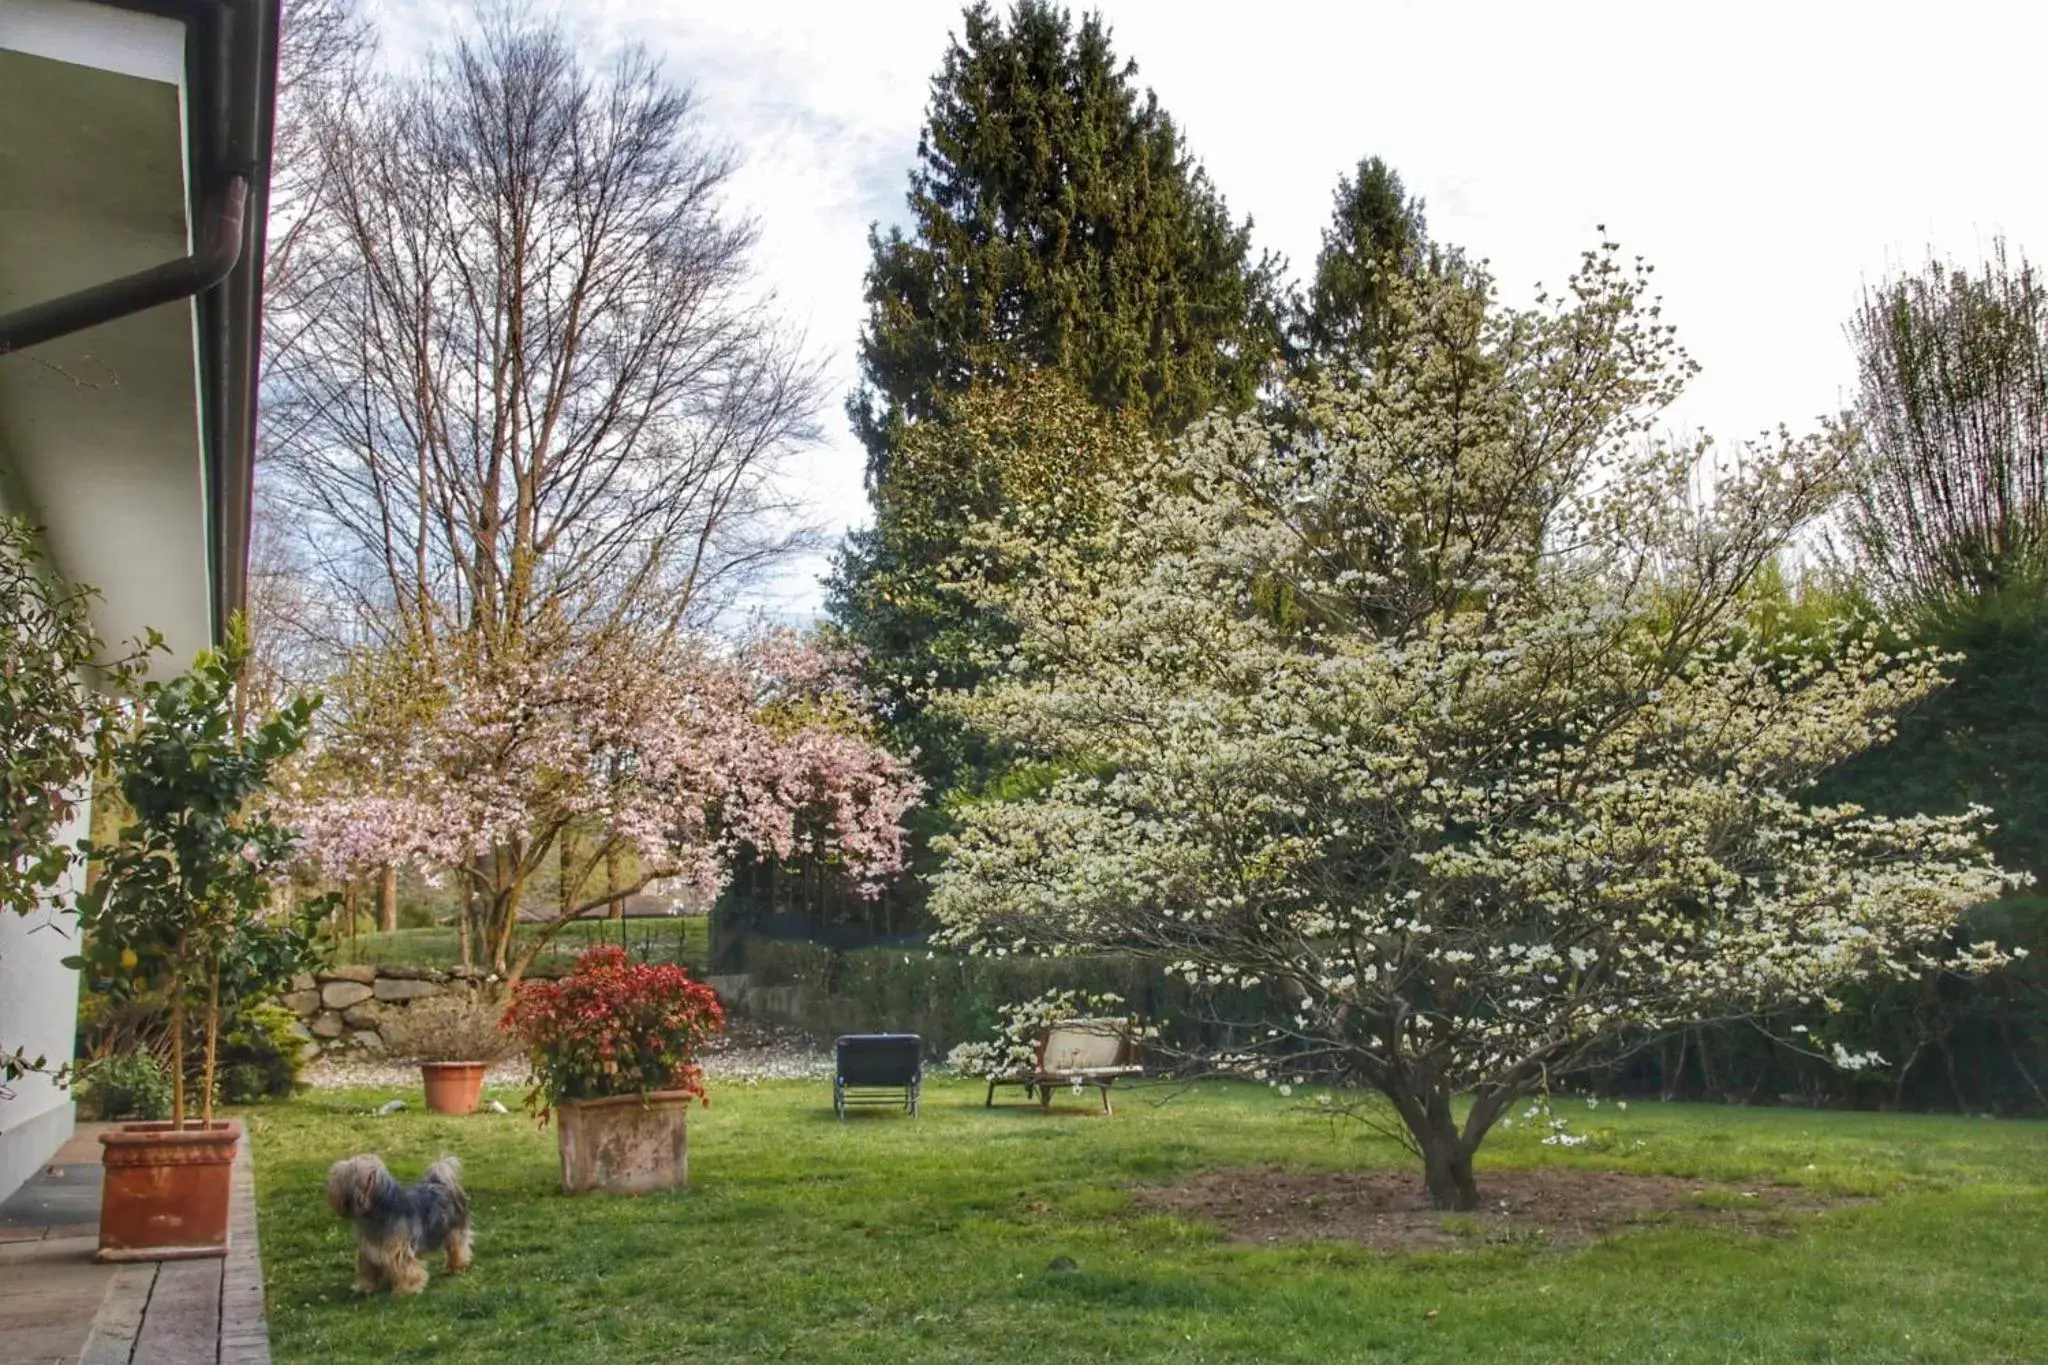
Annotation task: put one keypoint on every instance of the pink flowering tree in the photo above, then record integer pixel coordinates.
(690, 762)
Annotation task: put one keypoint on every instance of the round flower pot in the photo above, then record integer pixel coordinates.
(626, 1144)
(453, 1087)
(166, 1192)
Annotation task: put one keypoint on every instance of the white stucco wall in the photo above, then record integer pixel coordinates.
(38, 1012)
(99, 431)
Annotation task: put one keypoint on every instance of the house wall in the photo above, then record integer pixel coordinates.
(100, 431)
(38, 1012)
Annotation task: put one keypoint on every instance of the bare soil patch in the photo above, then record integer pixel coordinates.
(1387, 1210)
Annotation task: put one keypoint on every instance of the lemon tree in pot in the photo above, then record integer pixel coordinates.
(614, 1048)
(180, 906)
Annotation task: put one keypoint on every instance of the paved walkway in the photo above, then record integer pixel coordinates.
(60, 1307)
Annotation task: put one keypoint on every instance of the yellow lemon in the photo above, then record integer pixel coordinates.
(128, 958)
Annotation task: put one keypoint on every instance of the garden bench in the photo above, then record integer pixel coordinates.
(1077, 1053)
(877, 1068)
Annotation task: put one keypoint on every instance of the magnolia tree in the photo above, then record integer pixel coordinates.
(689, 762)
(1443, 716)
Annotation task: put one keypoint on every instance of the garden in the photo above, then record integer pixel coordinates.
(1011, 1235)
(1359, 774)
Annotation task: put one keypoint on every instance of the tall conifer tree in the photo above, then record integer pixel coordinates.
(1058, 221)
(1069, 282)
(1376, 230)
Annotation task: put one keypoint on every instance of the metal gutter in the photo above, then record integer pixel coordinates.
(220, 248)
(231, 313)
(231, 98)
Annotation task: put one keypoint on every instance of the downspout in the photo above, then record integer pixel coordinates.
(232, 69)
(220, 248)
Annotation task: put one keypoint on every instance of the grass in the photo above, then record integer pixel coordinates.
(685, 938)
(931, 1239)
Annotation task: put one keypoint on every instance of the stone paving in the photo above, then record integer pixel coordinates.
(60, 1307)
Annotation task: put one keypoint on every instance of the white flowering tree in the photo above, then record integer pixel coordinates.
(1443, 715)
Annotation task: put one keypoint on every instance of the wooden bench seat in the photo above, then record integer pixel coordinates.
(1076, 1053)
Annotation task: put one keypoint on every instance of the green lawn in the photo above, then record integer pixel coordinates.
(686, 938)
(893, 1239)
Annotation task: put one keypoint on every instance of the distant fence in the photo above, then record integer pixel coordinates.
(1950, 1043)
(949, 998)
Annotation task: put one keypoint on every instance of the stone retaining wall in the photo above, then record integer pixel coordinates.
(771, 1004)
(346, 1009)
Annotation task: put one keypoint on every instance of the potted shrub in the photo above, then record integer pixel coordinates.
(454, 1037)
(613, 1047)
(128, 1085)
(180, 906)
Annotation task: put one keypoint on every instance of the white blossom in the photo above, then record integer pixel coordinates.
(1440, 709)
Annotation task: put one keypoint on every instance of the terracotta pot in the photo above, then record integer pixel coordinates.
(626, 1144)
(453, 1087)
(166, 1191)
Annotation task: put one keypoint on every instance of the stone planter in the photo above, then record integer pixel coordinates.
(166, 1191)
(453, 1087)
(626, 1144)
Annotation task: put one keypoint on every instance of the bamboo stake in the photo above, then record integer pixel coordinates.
(212, 1047)
(177, 1056)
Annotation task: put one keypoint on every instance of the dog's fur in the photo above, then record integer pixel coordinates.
(398, 1224)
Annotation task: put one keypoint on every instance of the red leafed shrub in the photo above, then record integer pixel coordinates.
(613, 1027)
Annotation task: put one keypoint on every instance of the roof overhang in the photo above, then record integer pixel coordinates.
(134, 147)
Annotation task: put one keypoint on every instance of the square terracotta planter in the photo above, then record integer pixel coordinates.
(165, 1197)
(627, 1144)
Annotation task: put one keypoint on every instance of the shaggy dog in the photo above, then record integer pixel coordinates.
(398, 1224)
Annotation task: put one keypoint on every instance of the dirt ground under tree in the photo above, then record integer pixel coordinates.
(1387, 1210)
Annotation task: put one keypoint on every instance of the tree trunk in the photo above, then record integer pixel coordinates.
(617, 909)
(2012, 1048)
(212, 1048)
(1674, 1069)
(1905, 1071)
(177, 1054)
(387, 900)
(504, 924)
(1446, 1152)
(1447, 1173)
(499, 910)
(1703, 1049)
(463, 916)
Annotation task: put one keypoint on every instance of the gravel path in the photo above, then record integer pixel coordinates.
(748, 1053)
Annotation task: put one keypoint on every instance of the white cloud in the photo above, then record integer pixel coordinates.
(1769, 159)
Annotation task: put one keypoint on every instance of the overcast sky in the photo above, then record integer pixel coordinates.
(1769, 159)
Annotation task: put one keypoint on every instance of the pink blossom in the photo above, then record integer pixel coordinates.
(767, 750)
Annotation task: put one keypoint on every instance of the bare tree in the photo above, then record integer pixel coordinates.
(1952, 502)
(325, 48)
(324, 51)
(531, 400)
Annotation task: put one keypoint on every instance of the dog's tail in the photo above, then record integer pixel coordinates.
(447, 1173)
